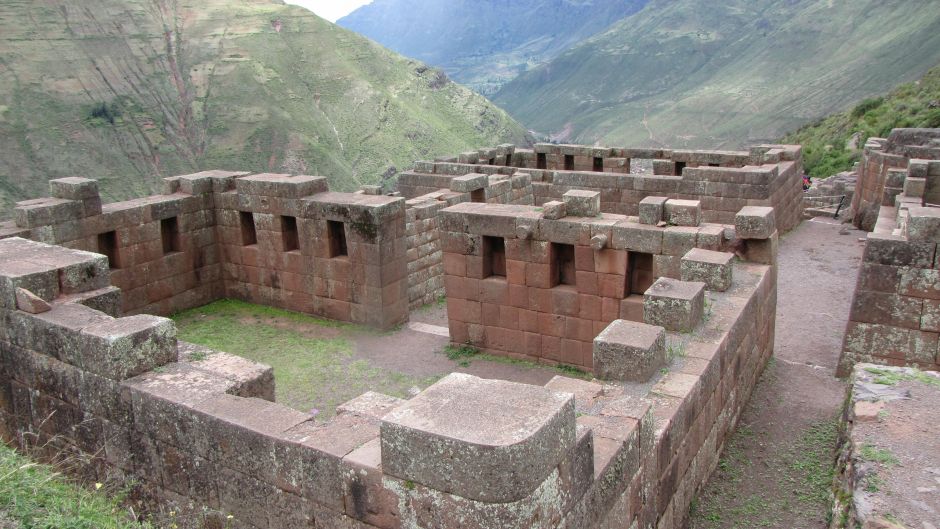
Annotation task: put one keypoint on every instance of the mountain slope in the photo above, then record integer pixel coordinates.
(129, 91)
(825, 142)
(484, 43)
(723, 74)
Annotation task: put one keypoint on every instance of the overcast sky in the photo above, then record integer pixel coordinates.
(331, 10)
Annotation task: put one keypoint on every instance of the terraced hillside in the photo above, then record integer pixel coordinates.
(129, 91)
(725, 74)
(485, 43)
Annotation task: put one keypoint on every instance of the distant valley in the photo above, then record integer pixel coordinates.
(485, 43)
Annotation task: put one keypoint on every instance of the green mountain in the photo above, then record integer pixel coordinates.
(129, 91)
(485, 43)
(832, 144)
(723, 74)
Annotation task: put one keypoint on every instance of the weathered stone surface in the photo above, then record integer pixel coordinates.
(651, 210)
(26, 301)
(468, 182)
(126, 347)
(73, 188)
(554, 210)
(486, 440)
(755, 222)
(923, 224)
(580, 203)
(675, 305)
(628, 350)
(683, 212)
(712, 268)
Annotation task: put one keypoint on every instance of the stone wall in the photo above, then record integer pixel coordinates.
(882, 169)
(541, 282)
(196, 425)
(895, 315)
(279, 240)
(723, 181)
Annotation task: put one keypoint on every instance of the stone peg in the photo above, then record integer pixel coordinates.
(599, 242)
(525, 231)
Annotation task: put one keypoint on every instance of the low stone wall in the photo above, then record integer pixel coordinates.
(724, 182)
(197, 425)
(884, 478)
(895, 314)
(882, 169)
(425, 259)
(280, 240)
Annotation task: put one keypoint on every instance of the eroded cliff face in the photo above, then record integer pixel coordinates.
(131, 91)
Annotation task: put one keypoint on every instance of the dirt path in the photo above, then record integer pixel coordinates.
(776, 470)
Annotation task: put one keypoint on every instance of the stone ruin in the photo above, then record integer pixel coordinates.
(663, 286)
(895, 315)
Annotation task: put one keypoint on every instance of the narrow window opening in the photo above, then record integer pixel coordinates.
(494, 256)
(598, 164)
(492, 161)
(679, 167)
(108, 246)
(540, 161)
(247, 221)
(569, 162)
(478, 195)
(337, 233)
(508, 160)
(562, 264)
(639, 273)
(170, 233)
(289, 236)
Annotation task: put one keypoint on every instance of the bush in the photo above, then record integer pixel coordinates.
(867, 106)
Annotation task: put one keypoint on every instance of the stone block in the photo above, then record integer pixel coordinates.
(894, 250)
(26, 301)
(755, 222)
(917, 169)
(676, 305)
(915, 187)
(651, 210)
(468, 182)
(628, 350)
(637, 237)
(554, 210)
(371, 189)
(712, 268)
(487, 440)
(582, 203)
(126, 347)
(683, 212)
(74, 188)
(923, 224)
(40, 279)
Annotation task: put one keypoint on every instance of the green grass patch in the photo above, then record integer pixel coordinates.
(36, 496)
(824, 142)
(313, 360)
(891, 377)
(464, 354)
(872, 453)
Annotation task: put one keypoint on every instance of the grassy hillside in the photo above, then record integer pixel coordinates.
(485, 43)
(824, 142)
(724, 74)
(129, 91)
